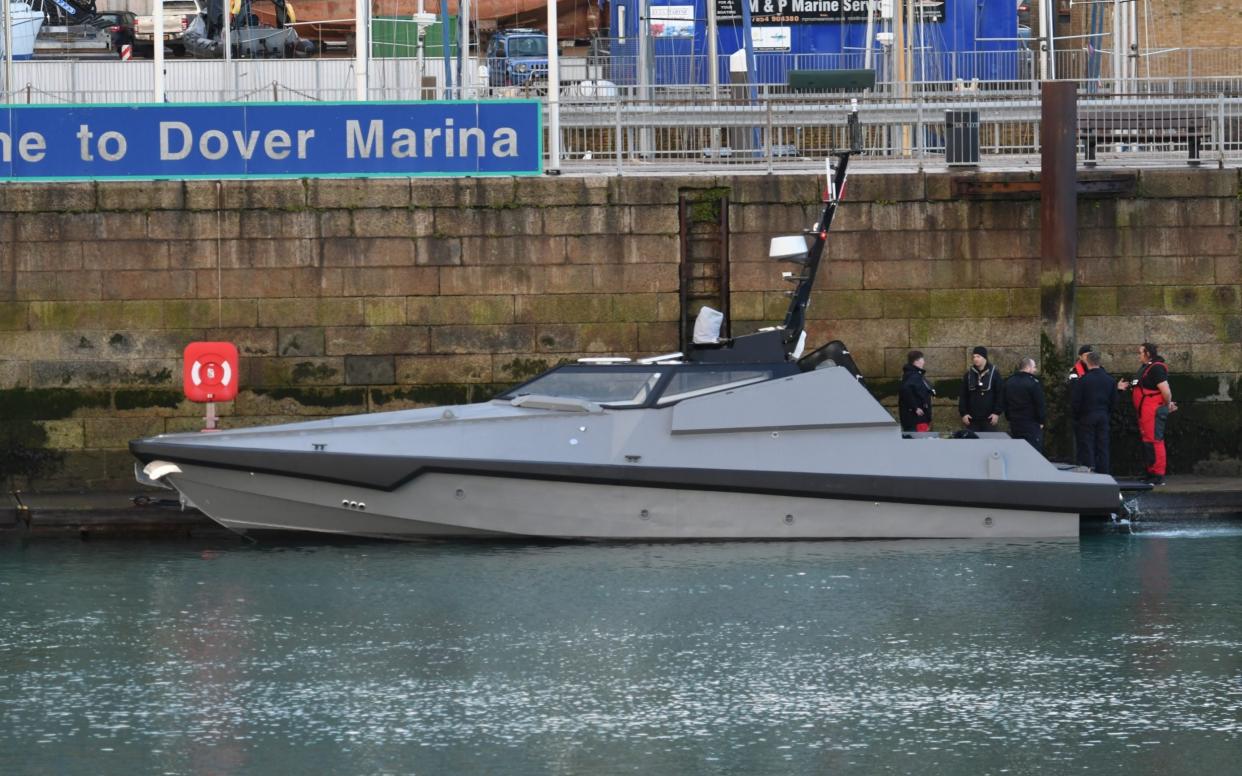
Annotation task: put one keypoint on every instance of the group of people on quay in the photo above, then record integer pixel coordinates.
(986, 396)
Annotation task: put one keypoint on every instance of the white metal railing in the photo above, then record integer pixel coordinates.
(620, 127)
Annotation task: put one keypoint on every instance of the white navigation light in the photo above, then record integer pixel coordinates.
(788, 248)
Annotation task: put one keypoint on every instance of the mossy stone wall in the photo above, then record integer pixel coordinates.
(353, 296)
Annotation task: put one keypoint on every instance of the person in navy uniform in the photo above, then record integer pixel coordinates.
(982, 401)
(1024, 405)
(1093, 398)
(914, 398)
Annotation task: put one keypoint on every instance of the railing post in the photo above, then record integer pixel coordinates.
(768, 144)
(620, 139)
(1220, 129)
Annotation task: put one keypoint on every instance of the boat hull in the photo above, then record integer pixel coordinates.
(449, 505)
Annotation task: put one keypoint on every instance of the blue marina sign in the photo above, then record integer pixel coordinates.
(270, 140)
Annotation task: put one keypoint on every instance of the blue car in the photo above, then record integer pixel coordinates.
(517, 57)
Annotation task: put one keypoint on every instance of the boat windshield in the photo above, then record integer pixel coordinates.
(613, 387)
(689, 383)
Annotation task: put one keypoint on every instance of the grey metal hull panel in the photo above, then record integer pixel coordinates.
(451, 505)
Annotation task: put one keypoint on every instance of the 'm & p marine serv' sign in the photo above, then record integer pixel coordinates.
(271, 140)
(811, 11)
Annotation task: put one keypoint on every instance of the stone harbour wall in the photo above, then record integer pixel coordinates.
(364, 295)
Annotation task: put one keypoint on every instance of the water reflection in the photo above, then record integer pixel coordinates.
(1119, 651)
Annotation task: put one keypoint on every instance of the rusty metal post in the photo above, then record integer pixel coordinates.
(1058, 246)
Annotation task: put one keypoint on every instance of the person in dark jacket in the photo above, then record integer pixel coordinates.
(1093, 398)
(982, 400)
(914, 398)
(1024, 405)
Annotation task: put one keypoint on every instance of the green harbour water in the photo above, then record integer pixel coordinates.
(1116, 653)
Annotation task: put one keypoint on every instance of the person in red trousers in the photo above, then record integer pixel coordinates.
(1153, 401)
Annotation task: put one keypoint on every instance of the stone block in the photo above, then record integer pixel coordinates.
(940, 362)
(467, 192)
(1111, 329)
(770, 220)
(897, 274)
(1109, 271)
(19, 315)
(303, 370)
(949, 332)
(500, 251)
(842, 274)
(390, 281)
(1111, 243)
(274, 404)
(260, 194)
(656, 338)
(269, 224)
(384, 311)
(642, 308)
(376, 340)
(1228, 269)
(130, 373)
(556, 192)
(369, 370)
(479, 310)
(782, 189)
(863, 335)
(482, 339)
(1022, 215)
(1210, 358)
(48, 256)
(1203, 299)
(1014, 332)
(643, 190)
(572, 220)
(368, 252)
(354, 193)
(300, 342)
(654, 219)
(311, 312)
(1190, 241)
(563, 308)
(829, 304)
(433, 370)
(336, 223)
(626, 279)
(883, 187)
(953, 216)
(902, 304)
(64, 434)
(280, 253)
(1157, 183)
(437, 252)
(14, 374)
(20, 197)
(393, 222)
(56, 227)
(265, 282)
(898, 216)
(140, 195)
(188, 225)
(747, 305)
(1169, 330)
(1009, 273)
(1096, 300)
(249, 342)
(1187, 270)
(125, 255)
(201, 254)
(487, 281)
(1024, 301)
(140, 284)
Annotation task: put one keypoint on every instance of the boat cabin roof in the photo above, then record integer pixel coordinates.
(648, 383)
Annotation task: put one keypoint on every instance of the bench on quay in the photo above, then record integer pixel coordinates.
(1126, 126)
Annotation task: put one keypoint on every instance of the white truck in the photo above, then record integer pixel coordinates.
(177, 16)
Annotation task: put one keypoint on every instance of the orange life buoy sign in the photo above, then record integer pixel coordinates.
(209, 371)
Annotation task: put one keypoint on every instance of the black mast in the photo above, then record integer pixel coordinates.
(795, 317)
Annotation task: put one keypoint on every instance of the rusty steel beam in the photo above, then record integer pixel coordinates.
(1058, 218)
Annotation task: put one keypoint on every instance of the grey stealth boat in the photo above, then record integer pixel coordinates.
(744, 438)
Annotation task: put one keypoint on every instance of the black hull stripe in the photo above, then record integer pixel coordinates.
(387, 473)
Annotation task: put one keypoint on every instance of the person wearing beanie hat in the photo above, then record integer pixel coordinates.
(982, 400)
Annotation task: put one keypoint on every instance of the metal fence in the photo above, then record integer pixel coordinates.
(623, 128)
